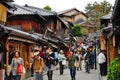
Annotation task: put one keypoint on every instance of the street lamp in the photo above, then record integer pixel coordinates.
(95, 36)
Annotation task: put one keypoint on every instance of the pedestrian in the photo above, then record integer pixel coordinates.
(79, 56)
(8, 75)
(36, 49)
(101, 61)
(71, 64)
(105, 63)
(41, 53)
(92, 52)
(49, 62)
(38, 66)
(61, 59)
(88, 60)
(16, 61)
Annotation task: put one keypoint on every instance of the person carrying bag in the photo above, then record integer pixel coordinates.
(38, 66)
(17, 66)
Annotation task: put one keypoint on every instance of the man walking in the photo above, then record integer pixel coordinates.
(101, 61)
(61, 59)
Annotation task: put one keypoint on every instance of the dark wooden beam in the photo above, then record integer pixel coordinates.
(1, 1)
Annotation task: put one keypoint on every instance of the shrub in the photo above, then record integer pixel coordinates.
(114, 70)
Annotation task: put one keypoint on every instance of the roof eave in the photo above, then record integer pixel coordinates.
(115, 10)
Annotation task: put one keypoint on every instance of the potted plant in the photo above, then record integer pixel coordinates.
(114, 70)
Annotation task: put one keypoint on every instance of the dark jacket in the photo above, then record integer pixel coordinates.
(49, 62)
(71, 60)
(88, 57)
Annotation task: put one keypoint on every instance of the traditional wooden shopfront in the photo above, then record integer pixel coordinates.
(25, 43)
(3, 36)
(20, 41)
(107, 38)
(116, 27)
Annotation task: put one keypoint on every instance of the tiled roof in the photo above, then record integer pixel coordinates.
(108, 16)
(7, 4)
(64, 22)
(73, 14)
(23, 34)
(107, 29)
(20, 10)
(40, 11)
(44, 12)
(62, 12)
(80, 20)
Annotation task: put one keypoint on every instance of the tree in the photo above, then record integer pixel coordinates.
(48, 8)
(97, 10)
(77, 30)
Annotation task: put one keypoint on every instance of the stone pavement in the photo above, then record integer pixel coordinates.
(80, 75)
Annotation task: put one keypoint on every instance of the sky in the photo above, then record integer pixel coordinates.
(60, 5)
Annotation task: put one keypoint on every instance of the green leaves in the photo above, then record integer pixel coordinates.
(47, 8)
(96, 10)
(114, 70)
(77, 30)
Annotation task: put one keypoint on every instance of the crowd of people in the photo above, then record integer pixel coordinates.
(72, 59)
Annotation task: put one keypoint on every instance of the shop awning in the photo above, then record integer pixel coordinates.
(24, 36)
(19, 39)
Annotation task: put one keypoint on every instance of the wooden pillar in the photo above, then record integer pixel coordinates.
(7, 56)
(29, 55)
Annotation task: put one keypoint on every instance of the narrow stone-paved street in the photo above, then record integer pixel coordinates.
(80, 75)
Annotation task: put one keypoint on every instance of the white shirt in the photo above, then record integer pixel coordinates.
(101, 58)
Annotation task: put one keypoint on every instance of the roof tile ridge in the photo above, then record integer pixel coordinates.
(40, 9)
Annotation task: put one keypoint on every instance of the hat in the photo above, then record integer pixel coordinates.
(36, 53)
(61, 51)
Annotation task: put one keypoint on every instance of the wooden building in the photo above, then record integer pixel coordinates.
(111, 33)
(27, 23)
(73, 15)
(4, 6)
(107, 37)
(19, 41)
(116, 27)
(54, 26)
(88, 29)
(46, 25)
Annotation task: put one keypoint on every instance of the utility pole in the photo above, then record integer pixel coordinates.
(95, 36)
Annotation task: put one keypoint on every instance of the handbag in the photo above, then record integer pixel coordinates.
(75, 63)
(19, 69)
(64, 62)
(24, 71)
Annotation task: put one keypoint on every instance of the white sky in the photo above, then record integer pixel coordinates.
(60, 5)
